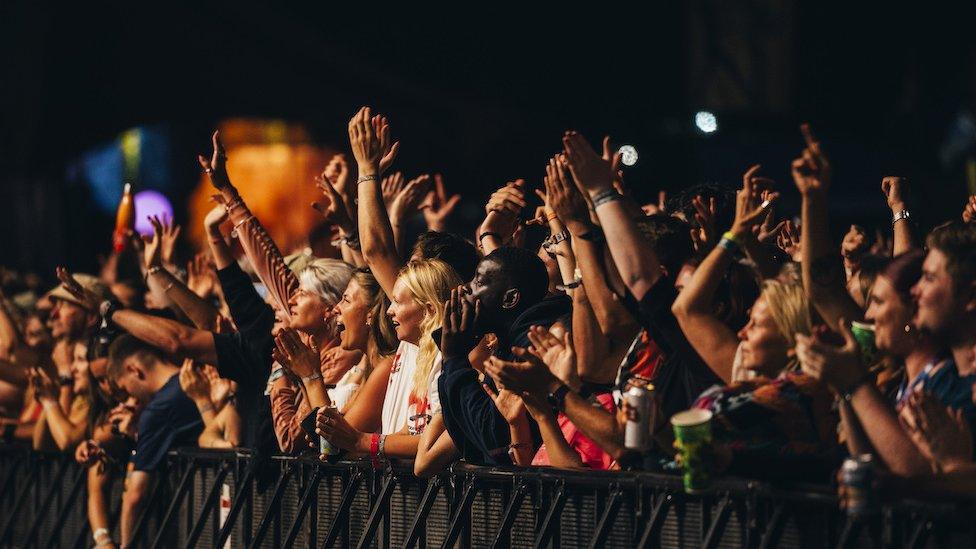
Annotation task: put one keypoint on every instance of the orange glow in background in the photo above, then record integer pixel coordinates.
(272, 164)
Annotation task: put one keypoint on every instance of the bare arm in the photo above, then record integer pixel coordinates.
(66, 430)
(366, 413)
(10, 337)
(895, 191)
(822, 268)
(169, 335)
(133, 500)
(223, 431)
(561, 454)
(436, 449)
(596, 423)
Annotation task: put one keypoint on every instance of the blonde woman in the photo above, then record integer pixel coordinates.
(411, 399)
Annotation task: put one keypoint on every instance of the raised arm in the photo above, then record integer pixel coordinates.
(170, 336)
(370, 139)
(501, 216)
(403, 203)
(694, 308)
(201, 312)
(268, 262)
(896, 193)
(336, 211)
(822, 268)
(637, 262)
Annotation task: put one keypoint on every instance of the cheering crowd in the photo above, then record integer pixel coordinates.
(497, 350)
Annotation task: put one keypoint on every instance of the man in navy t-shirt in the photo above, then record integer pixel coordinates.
(168, 419)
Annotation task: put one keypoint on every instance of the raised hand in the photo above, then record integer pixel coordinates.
(941, 434)
(90, 299)
(44, 386)
(558, 354)
(337, 172)
(216, 217)
(408, 200)
(438, 205)
(788, 240)
(170, 233)
(510, 198)
(652, 208)
(294, 355)
(895, 190)
(371, 144)
(220, 388)
(768, 230)
(811, 172)
(201, 277)
(704, 236)
(564, 198)
(391, 187)
(969, 211)
(334, 210)
(840, 368)
(750, 207)
(193, 382)
(591, 172)
(216, 165)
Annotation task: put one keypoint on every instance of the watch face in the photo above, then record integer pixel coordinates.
(628, 155)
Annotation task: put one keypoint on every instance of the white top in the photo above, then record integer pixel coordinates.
(345, 387)
(399, 408)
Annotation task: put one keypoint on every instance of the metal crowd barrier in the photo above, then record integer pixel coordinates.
(228, 499)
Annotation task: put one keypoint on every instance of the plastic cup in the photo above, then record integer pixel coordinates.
(693, 438)
(864, 334)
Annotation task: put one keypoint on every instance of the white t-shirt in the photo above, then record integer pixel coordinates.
(345, 387)
(399, 407)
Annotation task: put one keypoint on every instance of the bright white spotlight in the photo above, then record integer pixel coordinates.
(628, 155)
(706, 121)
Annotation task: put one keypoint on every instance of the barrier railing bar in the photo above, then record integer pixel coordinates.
(181, 490)
(45, 503)
(339, 521)
(555, 508)
(458, 517)
(303, 505)
(271, 513)
(417, 526)
(19, 502)
(774, 529)
(503, 536)
(722, 513)
(379, 510)
(9, 479)
(209, 503)
(614, 498)
(656, 520)
(243, 489)
(67, 507)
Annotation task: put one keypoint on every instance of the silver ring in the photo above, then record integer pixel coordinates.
(208, 171)
(765, 204)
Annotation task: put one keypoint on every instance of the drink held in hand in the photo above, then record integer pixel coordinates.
(864, 334)
(639, 410)
(693, 439)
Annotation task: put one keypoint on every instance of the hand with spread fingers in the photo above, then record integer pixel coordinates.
(294, 355)
(89, 298)
(334, 210)
(193, 382)
(811, 172)
(840, 368)
(941, 434)
(409, 199)
(750, 207)
(216, 165)
(508, 403)
(201, 278)
(788, 240)
(526, 376)
(372, 146)
(439, 205)
(557, 354)
(704, 236)
(391, 186)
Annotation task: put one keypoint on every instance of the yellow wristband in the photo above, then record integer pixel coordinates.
(730, 236)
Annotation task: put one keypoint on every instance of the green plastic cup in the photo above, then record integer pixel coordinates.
(864, 334)
(693, 439)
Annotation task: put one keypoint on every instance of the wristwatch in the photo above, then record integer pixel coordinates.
(557, 398)
(903, 214)
(107, 309)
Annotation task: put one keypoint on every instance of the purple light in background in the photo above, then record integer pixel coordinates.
(150, 203)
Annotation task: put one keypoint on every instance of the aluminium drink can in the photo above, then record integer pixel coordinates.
(857, 476)
(638, 407)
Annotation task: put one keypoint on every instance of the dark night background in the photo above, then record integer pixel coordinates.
(481, 93)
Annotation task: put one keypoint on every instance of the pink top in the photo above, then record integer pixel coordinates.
(590, 452)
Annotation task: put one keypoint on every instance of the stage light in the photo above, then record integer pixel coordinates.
(149, 203)
(706, 122)
(628, 155)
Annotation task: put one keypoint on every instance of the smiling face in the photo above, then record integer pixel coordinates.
(406, 312)
(79, 368)
(938, 306)
(308, 311)
(764, 349)
(351, 317)
(890, 315)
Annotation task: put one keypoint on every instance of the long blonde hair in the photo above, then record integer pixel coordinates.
(789, 308)
(429, 282)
